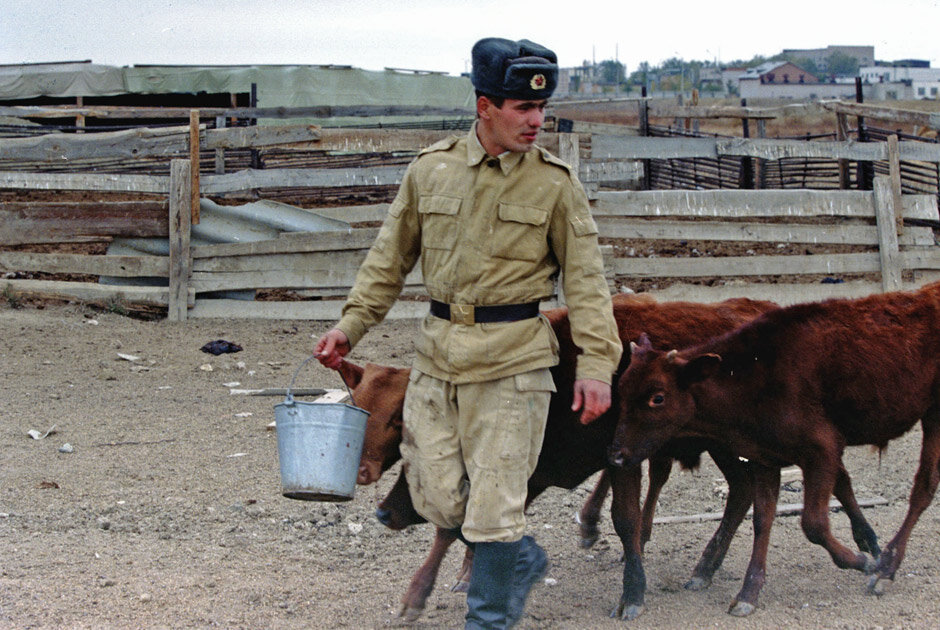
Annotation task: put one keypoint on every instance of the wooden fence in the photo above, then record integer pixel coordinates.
(885, 239)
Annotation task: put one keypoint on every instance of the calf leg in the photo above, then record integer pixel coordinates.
(862, 533)
(590, 512)
(821, 469)
(925, 486)
(422, 583)
(740, 497)
(659, 470)
(625, 513)
(766, 484)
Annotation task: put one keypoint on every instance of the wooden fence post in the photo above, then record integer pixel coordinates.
(894, 174)
(569, 150)
(180, 257)
(220, 153)
(194, 164)
(886, 214)
(842, 134)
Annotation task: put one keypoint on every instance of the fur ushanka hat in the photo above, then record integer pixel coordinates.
(520, 70)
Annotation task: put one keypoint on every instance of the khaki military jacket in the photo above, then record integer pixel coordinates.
(490, 231)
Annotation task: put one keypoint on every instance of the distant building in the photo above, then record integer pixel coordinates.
(783, 79)
(903, 82)
(820, 56)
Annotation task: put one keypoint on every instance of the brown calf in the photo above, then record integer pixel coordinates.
(572, 452)
(798, 385)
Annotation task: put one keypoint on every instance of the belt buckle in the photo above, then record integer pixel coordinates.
(462, 314)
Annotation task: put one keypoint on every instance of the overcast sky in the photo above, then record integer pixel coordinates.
(438, 34)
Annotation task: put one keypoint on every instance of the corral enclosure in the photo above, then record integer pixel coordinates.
(167, 513)
(681, 213)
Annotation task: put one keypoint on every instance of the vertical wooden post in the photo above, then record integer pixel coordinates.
(746, 180)
(180, 258)
(894, 177)
(842, 135)
(80, 118)
(885, 213)
(760, 174)
(569, 150)
(220, 153)
(194, 164)
(643, 107)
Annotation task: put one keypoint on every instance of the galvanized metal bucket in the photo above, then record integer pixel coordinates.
(318, 447)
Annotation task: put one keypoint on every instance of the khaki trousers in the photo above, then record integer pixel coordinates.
(469, 450)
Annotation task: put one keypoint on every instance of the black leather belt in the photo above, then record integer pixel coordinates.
(469, 314)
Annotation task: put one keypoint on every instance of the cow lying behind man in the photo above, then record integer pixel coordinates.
(798, 385)
(572, 452)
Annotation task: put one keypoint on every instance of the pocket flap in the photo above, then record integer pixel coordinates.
(438, 204)
(522, 214)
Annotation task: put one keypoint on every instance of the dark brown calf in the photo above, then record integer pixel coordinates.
(572, 452)
(798, 385)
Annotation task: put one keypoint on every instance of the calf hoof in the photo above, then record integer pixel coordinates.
(741, 609)
(589, 532)
(626, 612)
(697, 583)
(876, 586)
(871, 564)
(462, 586)
(409, 614)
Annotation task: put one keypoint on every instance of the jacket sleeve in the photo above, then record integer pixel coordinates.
(587, 296)
(381, 276)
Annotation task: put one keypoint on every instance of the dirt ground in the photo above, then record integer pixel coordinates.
(167, 512)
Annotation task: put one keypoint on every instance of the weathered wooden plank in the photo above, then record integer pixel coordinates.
(356, 214)
(887, 235)
(756, 232)
(128, 143)
(120, 266)
(322, 111)
(41, 222)
(604, 146)
(752, 203)
(180, 260)
(329, 310)
(313, 271)
(293, 242)
(610, 171)
(783, 294)
(245, 137)
(728, 266)
(775, 149)
(608, 147)
(301, 178)
(882, 113)
(103, 182)
(89, 291)
(658, 110)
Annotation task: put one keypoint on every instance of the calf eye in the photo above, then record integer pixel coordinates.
(657, 400)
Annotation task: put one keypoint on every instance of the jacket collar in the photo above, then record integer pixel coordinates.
(477, 154)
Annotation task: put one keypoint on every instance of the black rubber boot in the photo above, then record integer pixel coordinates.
(491, 585)
(531, 567)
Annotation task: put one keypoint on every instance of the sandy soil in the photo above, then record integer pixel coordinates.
(167, 513)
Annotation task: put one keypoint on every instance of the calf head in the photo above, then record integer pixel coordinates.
(380, 390)
(656, 399)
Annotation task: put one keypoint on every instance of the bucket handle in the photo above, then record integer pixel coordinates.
(290, 397)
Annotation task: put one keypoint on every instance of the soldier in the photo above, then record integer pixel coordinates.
(494, 218)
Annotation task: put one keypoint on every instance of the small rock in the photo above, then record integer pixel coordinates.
(103, 582)
(66, 448)
(146, 597)
(104, 524)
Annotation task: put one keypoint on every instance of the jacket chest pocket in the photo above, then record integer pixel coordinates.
(520, 233)
(438, 221)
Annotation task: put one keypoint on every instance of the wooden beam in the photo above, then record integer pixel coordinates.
(42, 222)
(180, 259)
(888, 114)
(888, 239)
(98, 265)
(88, 291)
(194, 165)
(84, 181)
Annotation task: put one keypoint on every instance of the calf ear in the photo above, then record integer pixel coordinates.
(699, 368)
(351, 373)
